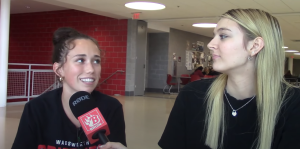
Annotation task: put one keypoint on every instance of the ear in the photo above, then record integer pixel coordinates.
(58, 71)
(256, 46)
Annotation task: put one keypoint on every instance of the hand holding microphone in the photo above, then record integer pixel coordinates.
(112, 145)
(91, 120)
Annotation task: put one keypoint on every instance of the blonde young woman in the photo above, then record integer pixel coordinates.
(249, 105)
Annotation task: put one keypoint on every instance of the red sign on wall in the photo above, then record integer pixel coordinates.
(136, 15)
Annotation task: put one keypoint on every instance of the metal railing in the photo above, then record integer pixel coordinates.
(26, 81)
(31, 80)
(111, 76)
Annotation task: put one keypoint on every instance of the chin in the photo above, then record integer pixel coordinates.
(218, 68)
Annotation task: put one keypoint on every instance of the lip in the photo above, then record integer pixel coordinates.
(215, 56)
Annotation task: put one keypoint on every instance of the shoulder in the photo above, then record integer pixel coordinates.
(291, 104)
(295, 92)
(46, 99)
(287, 129)
(292, 99)
(111, 110)
(199, 86)
(39, 109)
(193, 94)
(187, 118)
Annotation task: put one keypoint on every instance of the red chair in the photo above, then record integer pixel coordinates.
(185, 75)
(169, 79)
(195, 78)
(184, 81)
(208, 76)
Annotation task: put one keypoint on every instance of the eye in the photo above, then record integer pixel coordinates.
(97, 61)
(80, 60)
(223, 36)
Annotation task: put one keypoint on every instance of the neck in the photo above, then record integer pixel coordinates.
(65, 97)
(242, 85)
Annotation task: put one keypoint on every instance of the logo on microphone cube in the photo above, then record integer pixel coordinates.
(92, 120)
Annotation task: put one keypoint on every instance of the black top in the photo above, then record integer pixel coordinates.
(44, 124)
(185, 127)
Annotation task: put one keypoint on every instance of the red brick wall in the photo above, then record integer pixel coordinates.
(31, 41)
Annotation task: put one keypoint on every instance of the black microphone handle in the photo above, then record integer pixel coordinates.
(101, 136)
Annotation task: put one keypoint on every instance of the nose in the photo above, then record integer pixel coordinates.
(212, 45)
(89, 68)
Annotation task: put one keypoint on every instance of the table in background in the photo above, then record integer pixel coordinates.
(293, 81)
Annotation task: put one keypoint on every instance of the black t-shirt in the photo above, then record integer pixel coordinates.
(185, 127)
(44, 124)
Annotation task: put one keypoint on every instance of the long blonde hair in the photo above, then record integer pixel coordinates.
(269, 88)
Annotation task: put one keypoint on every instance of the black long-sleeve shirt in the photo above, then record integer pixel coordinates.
(44, 124)
(185, 127)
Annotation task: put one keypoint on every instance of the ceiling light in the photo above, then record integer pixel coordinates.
(285, 47)
(145, 6)
(296, 53)
(291, 51)
(27, 7)
(205, 25)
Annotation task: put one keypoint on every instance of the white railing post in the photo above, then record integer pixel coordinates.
(29, 79)
(26, 77)
(32, 83)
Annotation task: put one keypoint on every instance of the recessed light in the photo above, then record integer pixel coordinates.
(296, 53)
(205, 25)
(291, 51)
(285, 47)
(145, 6)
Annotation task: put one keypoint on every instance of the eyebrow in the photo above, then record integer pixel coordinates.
(83, 55)
(222, 29)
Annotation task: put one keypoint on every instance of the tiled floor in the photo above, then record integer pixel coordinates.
(161, 95)
(145, 118)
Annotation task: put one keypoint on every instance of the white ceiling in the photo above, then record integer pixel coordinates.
(20, 6)
(179, 14)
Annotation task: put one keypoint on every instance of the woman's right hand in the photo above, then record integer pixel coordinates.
(112, 145)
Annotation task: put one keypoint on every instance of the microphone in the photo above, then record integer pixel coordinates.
(91, 120)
